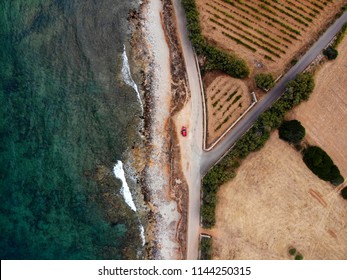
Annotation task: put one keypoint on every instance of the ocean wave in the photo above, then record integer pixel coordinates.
(127, 78)
(118, 171)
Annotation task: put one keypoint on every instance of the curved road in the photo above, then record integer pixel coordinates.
(208, 159)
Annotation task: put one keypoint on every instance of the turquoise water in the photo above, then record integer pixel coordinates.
(66, 117)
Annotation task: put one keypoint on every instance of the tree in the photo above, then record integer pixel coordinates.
(264, 81)
(344, 192)
(321, 164)
(292, 131)
(330, 53)
(299, 89)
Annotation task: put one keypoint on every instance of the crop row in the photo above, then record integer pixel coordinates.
(257, 11)
(253, 23)
(310, 7)
(287, 8)
(247, 25)
(220, 98)
(295, 10)
(248, 38)
(270, 11)
(301, 8)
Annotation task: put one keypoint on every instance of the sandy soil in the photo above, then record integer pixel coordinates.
(226, 99)
(325, 114)
(256, 60)
(164, 207)
(276, 202)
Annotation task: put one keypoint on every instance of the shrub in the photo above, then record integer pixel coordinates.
(299, 257)
(344, 192)
(292, 251)
(291, 131)
(206, 248)
(319, 162)
(330, 53)
(264, 81)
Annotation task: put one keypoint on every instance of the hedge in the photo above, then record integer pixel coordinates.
(216, 59)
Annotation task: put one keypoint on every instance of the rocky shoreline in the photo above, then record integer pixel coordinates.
(168, 197)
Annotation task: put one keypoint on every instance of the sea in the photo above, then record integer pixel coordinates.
(70, 109)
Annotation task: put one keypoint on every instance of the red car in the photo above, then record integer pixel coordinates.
(184, 131)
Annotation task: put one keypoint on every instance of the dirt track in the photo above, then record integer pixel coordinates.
(276, 202)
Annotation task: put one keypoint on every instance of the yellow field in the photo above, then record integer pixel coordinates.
(324, 115)
(275, 202)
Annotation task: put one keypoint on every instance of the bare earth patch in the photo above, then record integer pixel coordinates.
(276, 202)
(325, 114)
(267, 34)
(226, 100)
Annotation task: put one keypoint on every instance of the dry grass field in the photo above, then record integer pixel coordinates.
(268, 34)
(226, 100)
(325, 114)
(276, 202)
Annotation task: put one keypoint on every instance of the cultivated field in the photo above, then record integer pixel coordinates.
(325, 114)
(276, 202)
(226, 100)
(268, 34)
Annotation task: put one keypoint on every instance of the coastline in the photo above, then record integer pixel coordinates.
(158, 59)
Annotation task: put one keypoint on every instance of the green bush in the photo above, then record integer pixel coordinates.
(264, 81)
(206, 248)
(299, 257)
(215, 58)
(319, 162)
(291, 131)
(330, 53)
(344, 192)
(292, 251)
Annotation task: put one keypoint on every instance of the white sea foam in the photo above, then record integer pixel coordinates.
(142, 232)
(127, 76)
(119, 173)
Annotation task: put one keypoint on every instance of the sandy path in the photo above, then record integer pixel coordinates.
(158, 167)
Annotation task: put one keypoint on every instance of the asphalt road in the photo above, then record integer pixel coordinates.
(208, 159)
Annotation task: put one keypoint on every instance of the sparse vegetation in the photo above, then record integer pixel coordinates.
(291, 131)
(264, 81)
(340, 36)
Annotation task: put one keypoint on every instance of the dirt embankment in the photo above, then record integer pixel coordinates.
(180, 95)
